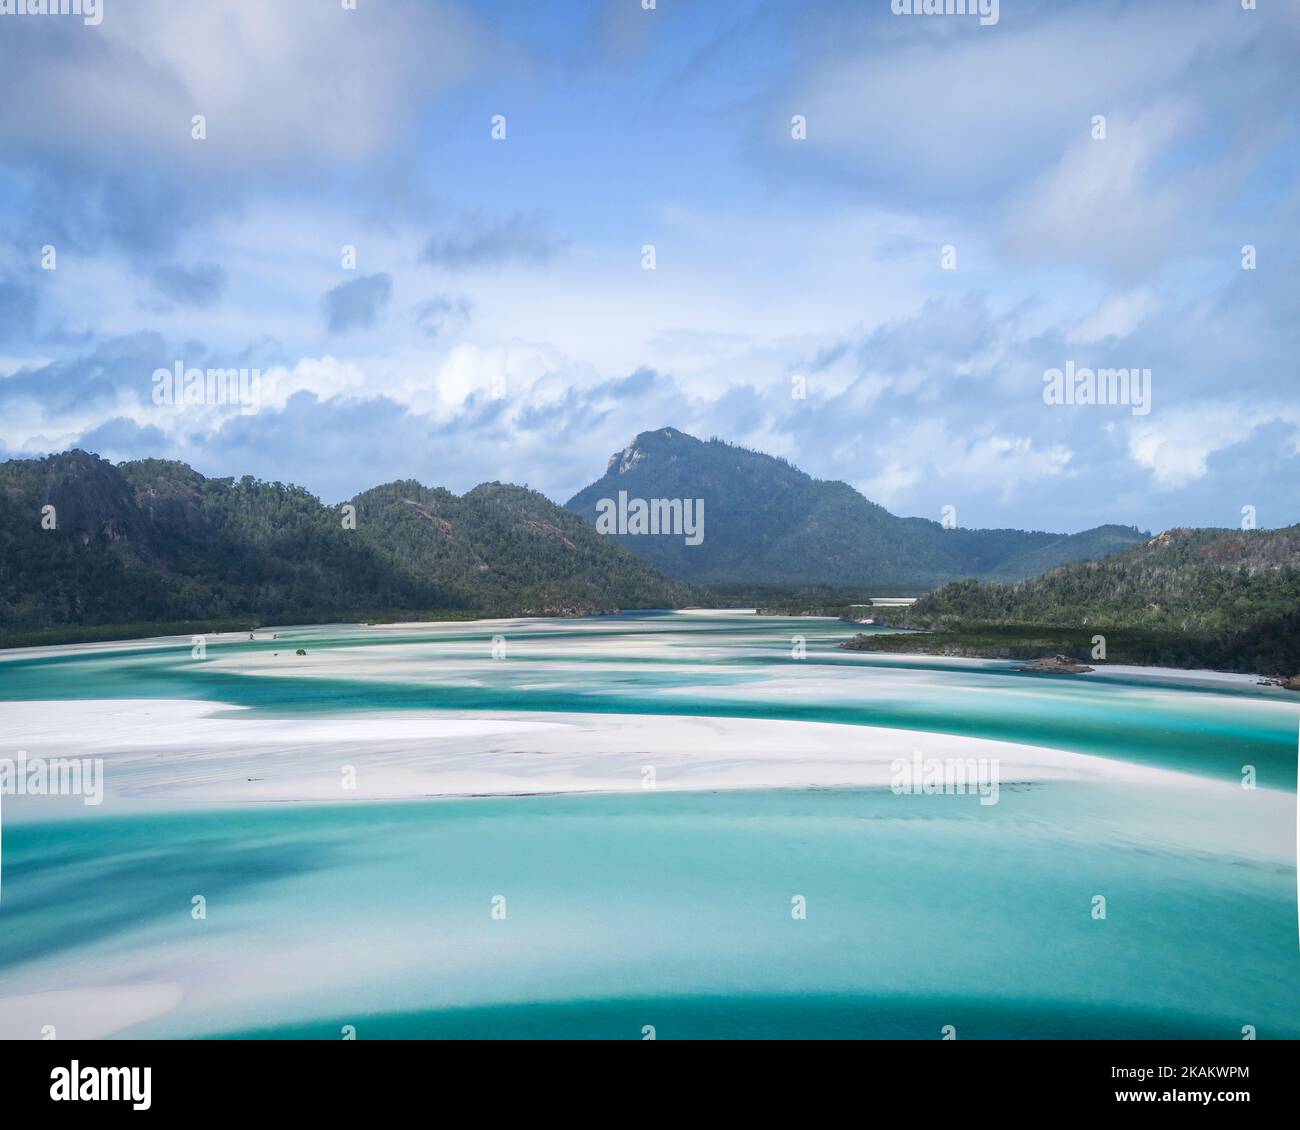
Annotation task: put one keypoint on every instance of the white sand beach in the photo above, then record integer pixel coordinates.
(162, 756)
(182, 752)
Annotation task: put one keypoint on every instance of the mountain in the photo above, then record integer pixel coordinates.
(1228, 599)
(155, 541)
(766, 522)
(506, 547)
(1101, 541)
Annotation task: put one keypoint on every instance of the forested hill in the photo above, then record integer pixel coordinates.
(500, 546)
(155, 541)
(1236, 592)
(768, 523)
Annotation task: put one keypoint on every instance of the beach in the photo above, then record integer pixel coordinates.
(288, 844)
(160, 752)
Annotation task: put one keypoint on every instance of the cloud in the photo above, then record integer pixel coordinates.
(947, 106)
(1117, 316)
(1177, 447)
(932, 452)
(357, 303)
(315, 83)
(434, 315)
(478, 243)
(45, 406)
(1102, 205)
(294, 89)
(17, 310)
(369, 128)
(200, 285)
(119, 439)
(956, 120)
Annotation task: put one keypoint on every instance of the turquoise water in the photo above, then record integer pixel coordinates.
(674, 910)
(715, 667)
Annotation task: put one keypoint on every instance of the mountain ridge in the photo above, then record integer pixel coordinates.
(773, 523)
(154, 540)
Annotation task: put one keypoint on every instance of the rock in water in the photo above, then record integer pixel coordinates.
(1057, 665)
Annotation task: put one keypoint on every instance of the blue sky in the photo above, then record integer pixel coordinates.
(499, 324)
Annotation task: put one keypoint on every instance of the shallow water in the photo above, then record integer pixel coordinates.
(675, 910)
(727, 666)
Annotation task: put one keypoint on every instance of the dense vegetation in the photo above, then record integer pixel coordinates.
(156, 542)
(801, 600)
(506, 547)
(153, 546)
(1227, 599)
(768, 523)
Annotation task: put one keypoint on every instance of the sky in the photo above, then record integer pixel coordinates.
(873, 235)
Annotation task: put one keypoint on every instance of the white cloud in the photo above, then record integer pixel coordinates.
(279, 83)
(928, 452)
(1176, 445)
(1100, 203)
(1117, 316)
(956, 109)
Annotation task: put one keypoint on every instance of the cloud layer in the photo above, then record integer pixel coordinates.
(876, 301)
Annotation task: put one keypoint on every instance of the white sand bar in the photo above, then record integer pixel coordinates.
(83, 1014)
(182, 752)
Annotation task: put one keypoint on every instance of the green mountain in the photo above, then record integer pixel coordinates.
(1228, 599)
(768, 523)
(506, 547)
(1101, 541)
(154, 541)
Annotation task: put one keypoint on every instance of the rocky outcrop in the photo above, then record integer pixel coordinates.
(1056, 665)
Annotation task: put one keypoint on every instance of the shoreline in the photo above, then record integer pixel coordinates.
(51, 650)
(1140, 670)
(185, 632)
(1102, 666)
